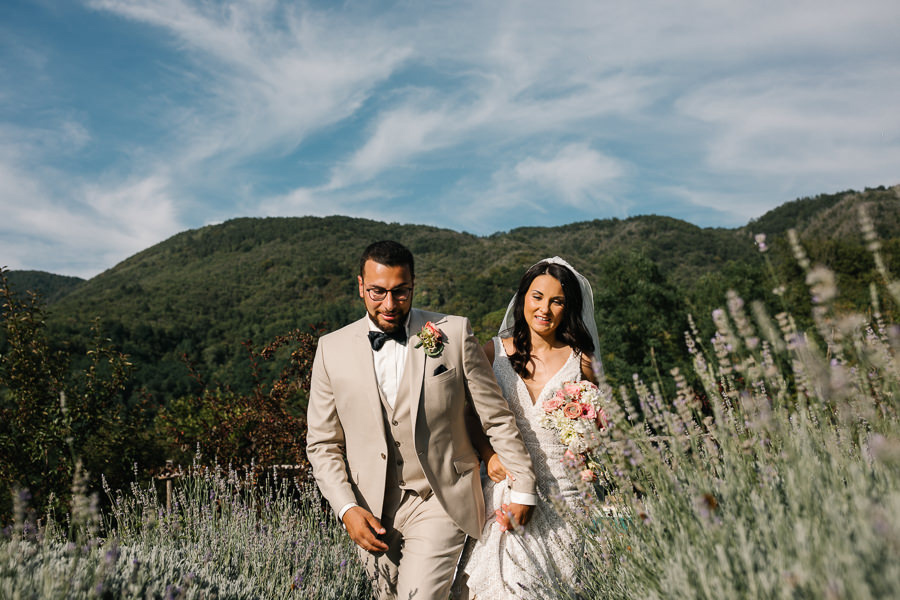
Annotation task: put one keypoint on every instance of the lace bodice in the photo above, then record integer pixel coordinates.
(504, 565)
(543, 444)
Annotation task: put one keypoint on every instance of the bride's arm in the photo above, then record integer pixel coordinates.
(587, 369)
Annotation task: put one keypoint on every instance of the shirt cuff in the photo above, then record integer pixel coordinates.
(344, 509)
(522, 498)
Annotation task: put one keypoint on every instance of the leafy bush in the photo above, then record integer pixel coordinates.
(55, 400)
(265, 427)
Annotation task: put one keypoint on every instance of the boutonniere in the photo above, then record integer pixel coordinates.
(431, 339)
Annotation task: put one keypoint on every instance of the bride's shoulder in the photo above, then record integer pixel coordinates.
(490, 348)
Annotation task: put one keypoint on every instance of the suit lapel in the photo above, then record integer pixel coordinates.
(414, 370)
(360, 353)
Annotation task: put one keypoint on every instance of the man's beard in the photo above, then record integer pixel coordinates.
(390, 327)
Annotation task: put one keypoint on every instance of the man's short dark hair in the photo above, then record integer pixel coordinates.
(389, 254)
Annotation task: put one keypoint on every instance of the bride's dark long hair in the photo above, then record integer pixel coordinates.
(571, 330)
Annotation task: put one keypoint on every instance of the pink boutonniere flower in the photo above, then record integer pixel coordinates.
(431, 339)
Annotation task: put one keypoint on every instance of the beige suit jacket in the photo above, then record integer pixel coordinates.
(346, 441)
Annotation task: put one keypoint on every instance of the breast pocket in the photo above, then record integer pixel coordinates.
(440, 378)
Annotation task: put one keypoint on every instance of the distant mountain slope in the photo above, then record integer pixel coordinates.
(51, 287)
(834, 215)
(275, 273)
(204, 291)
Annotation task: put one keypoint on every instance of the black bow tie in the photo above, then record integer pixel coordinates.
(378, 338)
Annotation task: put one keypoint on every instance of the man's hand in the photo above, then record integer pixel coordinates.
(513, 515)
(495, 469)
(362, 526)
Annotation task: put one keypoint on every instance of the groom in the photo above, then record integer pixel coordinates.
(387, 437)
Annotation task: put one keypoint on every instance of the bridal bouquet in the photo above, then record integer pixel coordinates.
(575, 412)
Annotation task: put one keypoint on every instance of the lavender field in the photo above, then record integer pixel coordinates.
(772, 472)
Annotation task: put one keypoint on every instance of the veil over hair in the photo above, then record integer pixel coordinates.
(587, 311)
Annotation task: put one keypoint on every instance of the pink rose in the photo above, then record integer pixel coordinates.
(552, 404)
(587, 411)
(433, 329)
(572, 389)
(572, 410)
(569, 455)
(587, 475)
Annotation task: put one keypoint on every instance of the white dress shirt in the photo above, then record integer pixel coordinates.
(389, 363)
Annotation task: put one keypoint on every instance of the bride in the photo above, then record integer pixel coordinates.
(548, 337)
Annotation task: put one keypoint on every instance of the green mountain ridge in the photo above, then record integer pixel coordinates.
(50, 286)
(202, 292)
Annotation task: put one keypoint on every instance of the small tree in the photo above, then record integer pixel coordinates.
(51, 412)
(263, 428)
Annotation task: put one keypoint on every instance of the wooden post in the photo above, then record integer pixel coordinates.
(169, 468)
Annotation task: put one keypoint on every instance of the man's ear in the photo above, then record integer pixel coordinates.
(362, 288)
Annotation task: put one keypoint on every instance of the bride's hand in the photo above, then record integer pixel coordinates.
(510, 516)
(495, 469)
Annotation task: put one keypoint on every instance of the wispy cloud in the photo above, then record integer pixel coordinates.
(270, 73)
(785, 124)
(576, 174)
(80, 227)
(473, 115)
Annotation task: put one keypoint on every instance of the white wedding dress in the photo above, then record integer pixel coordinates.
(507, 564)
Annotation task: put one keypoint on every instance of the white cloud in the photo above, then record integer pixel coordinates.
(398, 136)
(271, 73)
(536, 189)
(501, 110)
(719, 207)
(576, 174)
(835, 129)
(81, 230)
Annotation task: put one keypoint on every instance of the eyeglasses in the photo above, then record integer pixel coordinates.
(399, 294)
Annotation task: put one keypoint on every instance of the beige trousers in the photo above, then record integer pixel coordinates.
(424, 546)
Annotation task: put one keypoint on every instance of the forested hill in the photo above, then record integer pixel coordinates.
(834, 215)
(50, 286)
(202, 292)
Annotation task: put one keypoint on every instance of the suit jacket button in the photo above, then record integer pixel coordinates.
(397, 444)
(382, 455)
(394, 423)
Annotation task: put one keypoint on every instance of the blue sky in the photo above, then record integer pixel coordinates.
(123, 122)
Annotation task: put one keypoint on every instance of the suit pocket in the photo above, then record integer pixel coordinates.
(465, 464)
(441, 377)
